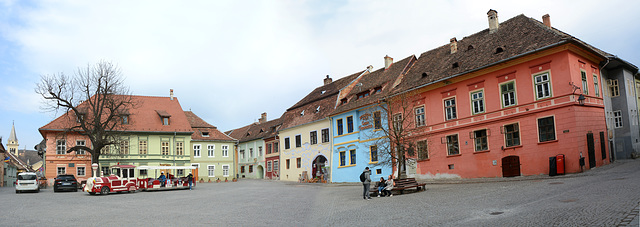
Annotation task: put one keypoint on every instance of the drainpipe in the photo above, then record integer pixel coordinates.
(612, 154)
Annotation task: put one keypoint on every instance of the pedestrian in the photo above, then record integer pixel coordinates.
(381, 185)
(389, 185)
(366, 183)
(162, 179)
(190, 179)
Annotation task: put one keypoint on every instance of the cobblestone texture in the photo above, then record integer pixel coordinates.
(606, 196)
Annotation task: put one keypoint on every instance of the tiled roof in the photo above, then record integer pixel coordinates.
(381, 78)
(144, 116)
(318, 104)
(257, 130)
(200, 126)
(239, 133)
(515, 37)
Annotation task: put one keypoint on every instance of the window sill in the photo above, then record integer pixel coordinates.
(346, 166)
(422, 160)
(480, 152)
(376, 162)
(512, 147)
(550, 141)
(454, 155)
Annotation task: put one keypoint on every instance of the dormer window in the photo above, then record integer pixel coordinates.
(377, 90)
(424, 75)
(205, 134)
(125, 119)
(343, 101)
(261, 131)
(164, 116)
(455, 65)
(363, 94)
(302, 113)
(165, 121)
(499, 50)
(80, 117)
(318, 109)
(322, 92)
(470, 47)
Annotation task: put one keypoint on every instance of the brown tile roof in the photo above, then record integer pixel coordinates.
(381, 78)
(239, 133)
(517, 36)
(318, 104)
(144, 116)
(257, 130)
(199, 126)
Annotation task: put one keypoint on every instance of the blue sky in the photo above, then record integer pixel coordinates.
(229, 61)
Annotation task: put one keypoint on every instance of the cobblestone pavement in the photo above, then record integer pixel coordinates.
(605, 196)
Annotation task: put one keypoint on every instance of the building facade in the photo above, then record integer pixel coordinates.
(213, 154)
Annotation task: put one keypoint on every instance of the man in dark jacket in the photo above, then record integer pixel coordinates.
(366, 184)
(190, 180)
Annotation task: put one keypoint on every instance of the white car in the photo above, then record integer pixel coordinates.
(27, 182)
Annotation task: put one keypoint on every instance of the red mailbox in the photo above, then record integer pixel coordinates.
(560, 164)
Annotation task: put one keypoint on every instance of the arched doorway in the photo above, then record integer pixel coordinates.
(260, 172)
(511, 166)
(317, 166)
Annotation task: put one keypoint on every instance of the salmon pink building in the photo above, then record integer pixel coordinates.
(518, 98)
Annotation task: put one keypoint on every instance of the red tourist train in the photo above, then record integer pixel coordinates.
(123, 179)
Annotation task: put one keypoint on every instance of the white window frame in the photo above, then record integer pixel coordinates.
(84, 170)
(225, 150)
(211, 170)
(196, 150)
(145, 146)
(585, 85)
(617, 119)
(179, 148)
(162, 148)
(542, 86)
(61, 147)
(64, 170)
(477, 102)
(211, 150)
(614, 88)
(453, 144)
(450, 111)
(276, 166)
(325, 131)
(420, 118)
(596, 86)
(268, 166)
(81, 143)
(225, 171)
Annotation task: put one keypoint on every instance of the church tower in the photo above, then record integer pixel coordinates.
(12, 142)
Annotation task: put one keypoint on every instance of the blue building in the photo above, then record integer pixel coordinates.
(358, 123)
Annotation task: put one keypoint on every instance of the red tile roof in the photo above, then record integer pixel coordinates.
(199, 126)
(257, 130)
(143, 116)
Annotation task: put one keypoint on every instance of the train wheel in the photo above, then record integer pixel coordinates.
(104, 190)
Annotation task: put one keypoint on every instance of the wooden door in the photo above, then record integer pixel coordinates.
(510, 166)
(195, 173)
(592, 150)
(603, 149)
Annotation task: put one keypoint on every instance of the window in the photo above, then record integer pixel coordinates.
(241, 154)
(196, 150)
(164, 147)
(363, 94)
(477, 102)
(211, 150)
(142, 147)
(225, 150)
(179, 148)
(286, 143)
(179, 172)
(585, 86)
(165, 121)
(596, 88)
(614, 90)
(452, 145)
(511, 135)
(313, 137)
(225, 170)
(542, 86)
(104, 170)
(81, 170)
(450, 108)
(352, 157)
(508, 94)
(288, 164)
(80, 143)
(80, 117)
(546, 129)
(250, 152)
(211, 170)
(299, 162)
(61, 147)
(377, 120)
(340, 127)
(275, 165)
(325, 135)
(423, 152)
(373, 153)
(205, 134)
(480, 140)
(241, 169)
(62, 170)
(105, 150)
(124, 147)
(250, 168)
(617, 118)
(269, 148)
(259, 151)
(397, 122)
(298, 141)
(125, 119)
(343, 158)
(349, 124)
(269, 166)
(419, 116)
(276, 147)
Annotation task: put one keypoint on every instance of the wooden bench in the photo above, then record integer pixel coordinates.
(401, 185)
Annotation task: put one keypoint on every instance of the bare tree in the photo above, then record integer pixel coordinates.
(95, 100)
(395, 142)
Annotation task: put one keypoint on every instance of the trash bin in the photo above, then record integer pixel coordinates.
(560, 164)
(552, 166)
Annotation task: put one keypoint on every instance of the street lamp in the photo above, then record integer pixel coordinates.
(581, 100)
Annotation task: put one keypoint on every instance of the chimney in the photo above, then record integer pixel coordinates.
(263, 118)
(171, 94)
(327, 80)
(454, 45)
(493, 21)
(546, 20)
(387, 61)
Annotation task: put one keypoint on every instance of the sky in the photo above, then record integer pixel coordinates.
(230, 61)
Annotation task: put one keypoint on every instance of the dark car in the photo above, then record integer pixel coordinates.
(65, 182)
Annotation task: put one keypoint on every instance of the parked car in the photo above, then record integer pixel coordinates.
(65, 182)
(27, 182)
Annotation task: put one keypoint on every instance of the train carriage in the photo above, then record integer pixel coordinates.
(123, 179)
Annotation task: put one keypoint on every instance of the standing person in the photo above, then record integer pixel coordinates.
(381, 185)
(389, 186)
(190, 179)
(366, 183)
(162, 179)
